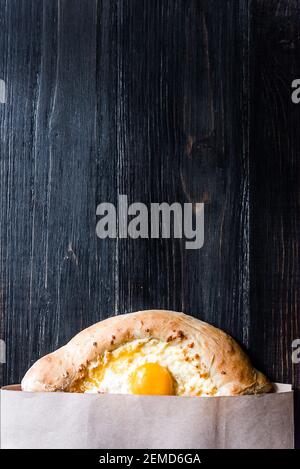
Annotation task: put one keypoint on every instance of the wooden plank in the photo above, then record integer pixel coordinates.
(275, 195)
(3, 194)
(48, 160)
(214, 165)
(19, 68)
(183, 137)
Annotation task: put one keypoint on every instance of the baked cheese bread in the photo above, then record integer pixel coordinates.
(149, 352)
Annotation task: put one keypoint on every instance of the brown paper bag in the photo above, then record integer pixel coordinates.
(106, 421)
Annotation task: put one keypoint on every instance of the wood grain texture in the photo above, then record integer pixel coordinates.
(275, 192)
(164, 101)
(108, 98)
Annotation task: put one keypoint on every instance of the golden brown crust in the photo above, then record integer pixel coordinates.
(229, 367)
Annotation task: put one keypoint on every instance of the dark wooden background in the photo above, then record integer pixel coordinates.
(162, 100)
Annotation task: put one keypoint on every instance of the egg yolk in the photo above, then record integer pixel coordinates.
(152, 378)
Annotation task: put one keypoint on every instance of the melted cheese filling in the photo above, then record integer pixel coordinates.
(148, 366)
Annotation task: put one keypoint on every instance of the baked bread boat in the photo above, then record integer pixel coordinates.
(149, 352)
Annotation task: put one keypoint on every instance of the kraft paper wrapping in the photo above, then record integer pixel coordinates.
(63, 420)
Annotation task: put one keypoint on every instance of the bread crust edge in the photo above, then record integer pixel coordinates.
(229, 367)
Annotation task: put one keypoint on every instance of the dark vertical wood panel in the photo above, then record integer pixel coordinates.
(150, 70)
(49, 155)
(103, 174)
(275, 195)
(20, 64)
(3, 188)
(214, 165)
(182, 114)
